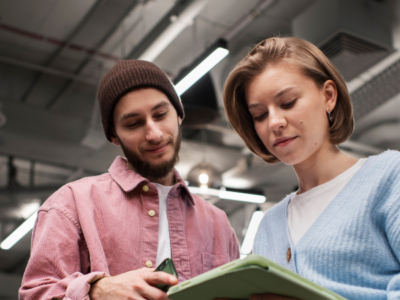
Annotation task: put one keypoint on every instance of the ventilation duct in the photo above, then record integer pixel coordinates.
(354, 34)
(200, 103)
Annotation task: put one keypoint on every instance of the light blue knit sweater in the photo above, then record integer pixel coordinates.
(353, 248)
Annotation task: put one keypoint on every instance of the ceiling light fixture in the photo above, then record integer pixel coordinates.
(227, 195)
(203, 178)
(19, 233)
(210, 58)
(248, 241)
(27, 209)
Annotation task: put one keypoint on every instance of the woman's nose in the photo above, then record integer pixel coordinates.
(277, 120)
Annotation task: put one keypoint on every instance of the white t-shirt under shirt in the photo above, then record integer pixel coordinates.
(164, 243)
(305, 208)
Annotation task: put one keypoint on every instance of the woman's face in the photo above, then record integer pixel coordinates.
(290, 112)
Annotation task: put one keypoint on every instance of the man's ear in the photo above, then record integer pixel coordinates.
(114, 138)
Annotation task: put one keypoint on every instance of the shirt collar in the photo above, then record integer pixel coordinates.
(128, 180)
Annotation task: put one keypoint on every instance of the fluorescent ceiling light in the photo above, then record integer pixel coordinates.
(27, 209)
(18, 233)
(242, 197)
(206, 65)
(248, 241)
(173, 30)
(203, 178)
(227, 195)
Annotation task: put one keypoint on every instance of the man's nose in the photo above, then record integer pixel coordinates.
(153, 132)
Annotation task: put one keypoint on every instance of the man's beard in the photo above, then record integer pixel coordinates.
(147, 169)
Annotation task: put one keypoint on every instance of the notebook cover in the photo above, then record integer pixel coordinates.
(253, 275)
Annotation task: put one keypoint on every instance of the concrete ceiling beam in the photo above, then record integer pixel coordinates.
(68, 41)
(130, 5)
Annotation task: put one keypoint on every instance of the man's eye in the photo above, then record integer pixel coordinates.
(261, 117)
(289, 104)
(161, 115)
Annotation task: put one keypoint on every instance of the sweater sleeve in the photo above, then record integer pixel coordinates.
(392, 225)
(59, 264)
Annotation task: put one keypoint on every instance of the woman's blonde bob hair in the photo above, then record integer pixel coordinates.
(313, 64)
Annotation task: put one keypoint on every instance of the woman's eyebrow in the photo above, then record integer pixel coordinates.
(277, 95)
(253, 105)
(282, 92)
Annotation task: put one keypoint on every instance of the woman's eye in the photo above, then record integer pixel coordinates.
(133, 124)
(261, 117)
(289, 104)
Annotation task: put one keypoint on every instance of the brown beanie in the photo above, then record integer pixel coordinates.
(125, 76)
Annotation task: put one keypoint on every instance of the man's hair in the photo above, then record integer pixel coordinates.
(311, 61)
(129, 75)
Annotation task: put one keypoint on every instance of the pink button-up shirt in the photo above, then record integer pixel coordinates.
(100, 226)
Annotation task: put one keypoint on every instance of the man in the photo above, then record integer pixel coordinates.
(102, 236)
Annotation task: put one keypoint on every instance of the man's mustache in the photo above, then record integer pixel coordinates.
(153, 144)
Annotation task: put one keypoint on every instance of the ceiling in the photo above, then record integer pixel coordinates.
(53, 54)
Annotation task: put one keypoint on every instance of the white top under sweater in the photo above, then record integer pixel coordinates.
(164, 243)
(305, 208)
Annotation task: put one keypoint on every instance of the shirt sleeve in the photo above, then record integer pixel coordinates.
(59, 266)
(234, 252)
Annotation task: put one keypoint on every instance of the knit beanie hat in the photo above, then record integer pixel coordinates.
(125, 76)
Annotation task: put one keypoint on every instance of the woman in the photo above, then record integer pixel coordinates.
(341, 229)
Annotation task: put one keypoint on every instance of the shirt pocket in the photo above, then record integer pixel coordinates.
(212, 261)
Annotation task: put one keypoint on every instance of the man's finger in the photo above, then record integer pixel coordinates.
(153, 293)
(160, 278)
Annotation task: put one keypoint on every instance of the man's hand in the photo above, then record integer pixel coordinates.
(134, 285)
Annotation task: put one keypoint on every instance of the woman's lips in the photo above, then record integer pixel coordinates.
(282, 142)
(157, 149)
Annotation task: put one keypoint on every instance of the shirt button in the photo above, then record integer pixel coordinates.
(145, 188)
(149, 264)
(288, 254)
(152, 213)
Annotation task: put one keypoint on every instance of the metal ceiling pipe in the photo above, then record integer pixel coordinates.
(179, 23)
(159, 28)
(245, 20)
(51, 71)
(55, 42)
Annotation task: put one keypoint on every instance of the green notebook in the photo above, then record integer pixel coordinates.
(253, 275)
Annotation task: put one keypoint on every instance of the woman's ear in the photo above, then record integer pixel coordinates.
(179, 120)
(330, 93)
